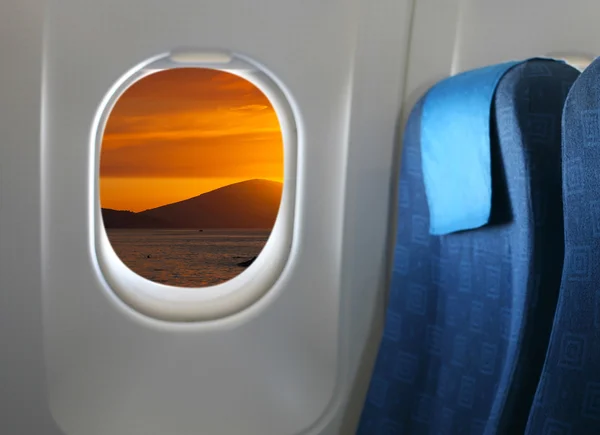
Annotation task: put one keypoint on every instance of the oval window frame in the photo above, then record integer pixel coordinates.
(195, 304)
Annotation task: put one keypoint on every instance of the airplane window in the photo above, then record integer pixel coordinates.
(191, 172)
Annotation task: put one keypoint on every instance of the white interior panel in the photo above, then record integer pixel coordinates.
(457, 35)
(297, 361)
(276, 367)
(23, 399)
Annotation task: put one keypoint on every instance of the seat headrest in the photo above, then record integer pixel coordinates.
(456, 148)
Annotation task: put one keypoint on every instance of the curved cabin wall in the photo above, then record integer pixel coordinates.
(285, 362)
(79, 361)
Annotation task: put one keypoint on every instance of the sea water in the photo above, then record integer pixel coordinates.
(187, 258)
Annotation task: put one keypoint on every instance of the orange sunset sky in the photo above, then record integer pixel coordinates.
(179, 133)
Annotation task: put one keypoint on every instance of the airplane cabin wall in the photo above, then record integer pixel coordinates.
(75, 359)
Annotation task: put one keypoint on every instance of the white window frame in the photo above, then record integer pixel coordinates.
(193, 304)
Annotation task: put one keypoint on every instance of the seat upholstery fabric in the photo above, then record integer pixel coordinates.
(567, 401)
(467, 328)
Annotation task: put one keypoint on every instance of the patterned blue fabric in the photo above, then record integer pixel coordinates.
(466, 333)
(455, 134)
(567, 401)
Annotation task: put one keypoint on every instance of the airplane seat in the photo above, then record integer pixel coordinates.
(567, 401)
(478, 255)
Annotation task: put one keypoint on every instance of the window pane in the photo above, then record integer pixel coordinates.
(191, 173)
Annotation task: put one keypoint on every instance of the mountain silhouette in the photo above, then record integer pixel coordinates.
(128, 219)
(249, 204)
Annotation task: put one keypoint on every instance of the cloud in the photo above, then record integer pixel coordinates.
(251, 108)
(252, 155)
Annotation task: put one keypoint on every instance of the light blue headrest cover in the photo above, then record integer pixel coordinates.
(456, 149)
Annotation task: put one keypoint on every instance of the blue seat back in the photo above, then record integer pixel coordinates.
(567, 401)
(466, 331)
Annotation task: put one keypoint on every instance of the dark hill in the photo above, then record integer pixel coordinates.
(249, 204)
(129, 219)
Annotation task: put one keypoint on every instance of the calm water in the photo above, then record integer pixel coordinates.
(187, 258)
